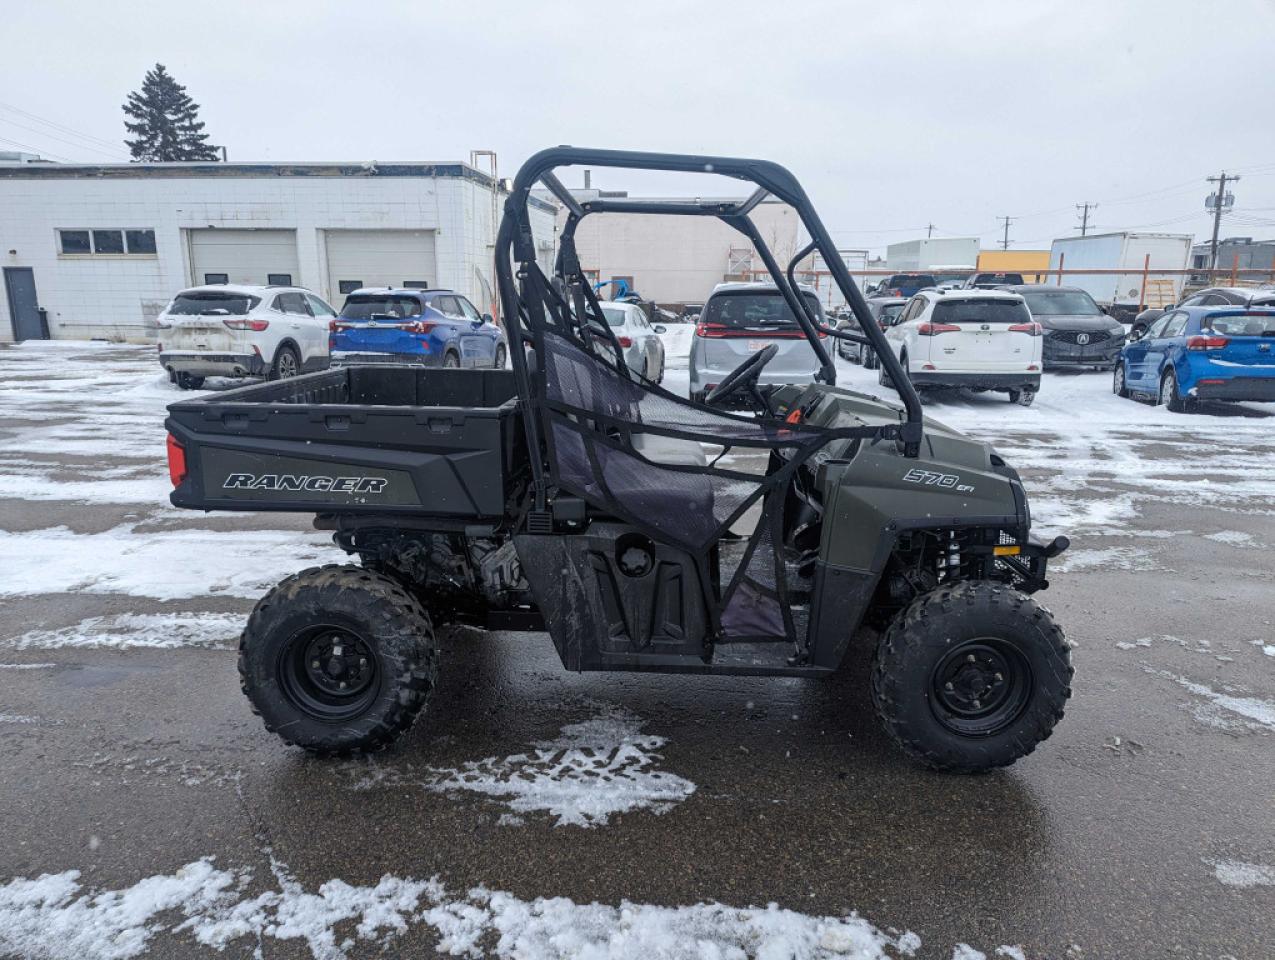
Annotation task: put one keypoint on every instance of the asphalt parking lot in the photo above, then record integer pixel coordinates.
(145, 810)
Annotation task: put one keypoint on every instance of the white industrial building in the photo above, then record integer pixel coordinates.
(100, 249)
(679, 259)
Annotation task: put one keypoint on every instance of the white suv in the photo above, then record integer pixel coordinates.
(981, 339)
(228, 330)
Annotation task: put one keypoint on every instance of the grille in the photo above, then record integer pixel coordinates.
(1069, 336)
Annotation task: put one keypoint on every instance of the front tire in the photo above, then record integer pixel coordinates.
(338, 659)
(188, 381)
(971, 677)
(499, 362)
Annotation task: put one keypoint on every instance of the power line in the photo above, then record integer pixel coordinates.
(39, 150)
(59, 126)
(52, 136)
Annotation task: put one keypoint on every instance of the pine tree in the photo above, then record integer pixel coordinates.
(165, 121)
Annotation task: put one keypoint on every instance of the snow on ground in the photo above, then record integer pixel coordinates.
(591, 771)
(1227, 711)
(165, 564)
(56, 916)
(158, 631)
(1237, 873)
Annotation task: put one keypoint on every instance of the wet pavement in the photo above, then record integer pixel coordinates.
(1145, 827)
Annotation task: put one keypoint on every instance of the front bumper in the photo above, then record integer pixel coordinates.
(1063, 353)
(976, 381)
(214, 364)
(348, 358)
(1236, 388)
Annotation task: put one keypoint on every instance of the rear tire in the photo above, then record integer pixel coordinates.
(971, 677)
(338, 659)
(286, 364)
(869, 359)
(499, 362)
(1118, 385)
(1023, 398)
(451, 361)
(1169, 395)
(188, 381)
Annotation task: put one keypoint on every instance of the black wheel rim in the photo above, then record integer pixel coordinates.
(329, 673)
(980, 687)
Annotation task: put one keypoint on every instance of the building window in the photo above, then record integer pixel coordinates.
(108, 241)
(215, 278)
(348, 286)
(75, 241)
(279, 279)
(415, 284)
(140, 241)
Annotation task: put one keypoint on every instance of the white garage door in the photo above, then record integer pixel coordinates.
(378, 258)
(244, 256)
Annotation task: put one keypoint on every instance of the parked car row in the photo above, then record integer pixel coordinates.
(227, 330)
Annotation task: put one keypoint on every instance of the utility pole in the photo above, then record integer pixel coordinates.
(1084, 209)
(929, 231)
(1219, 204)
(1008, 221)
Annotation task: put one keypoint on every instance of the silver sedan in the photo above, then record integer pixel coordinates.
(639, 339)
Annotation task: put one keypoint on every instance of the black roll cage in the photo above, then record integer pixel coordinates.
(515, 241)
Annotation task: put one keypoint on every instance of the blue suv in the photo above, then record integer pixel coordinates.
(434, 328)
(1201, 353)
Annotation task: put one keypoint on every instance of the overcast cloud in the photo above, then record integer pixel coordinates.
(894, 115)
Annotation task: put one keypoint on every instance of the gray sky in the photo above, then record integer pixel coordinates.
(893, 115)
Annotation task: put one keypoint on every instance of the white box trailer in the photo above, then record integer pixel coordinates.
(922, 256)
(1122, 293)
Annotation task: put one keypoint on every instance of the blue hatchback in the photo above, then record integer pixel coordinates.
(1201, 353)
(434, 328)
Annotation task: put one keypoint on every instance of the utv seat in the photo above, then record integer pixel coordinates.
(670, 450)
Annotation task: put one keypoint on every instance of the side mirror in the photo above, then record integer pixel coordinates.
(660, 328)
(487, 318)
(1136, 335)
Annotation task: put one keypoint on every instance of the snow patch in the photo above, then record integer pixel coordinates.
(164, 564)
(156, 631)
(55, 917)
(589, 772)
(1254, 713)
(1105, 558)
(1236, 538)
(1237, 873)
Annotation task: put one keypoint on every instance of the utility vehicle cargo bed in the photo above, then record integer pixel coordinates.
(373, 439)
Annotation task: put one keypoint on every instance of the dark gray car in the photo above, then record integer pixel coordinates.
(884, 309)
(1077, 332)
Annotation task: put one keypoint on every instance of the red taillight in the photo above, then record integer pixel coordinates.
(625, 342)
(934, 329)
(332, 327)
(176, 461)
(1032, 329)
(710, 330)
(1207, 343)
(419, 326)
(247, 323)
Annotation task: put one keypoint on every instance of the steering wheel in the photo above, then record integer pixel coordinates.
(744, 376)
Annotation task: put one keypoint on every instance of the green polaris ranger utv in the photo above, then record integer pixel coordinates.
(639, 529)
